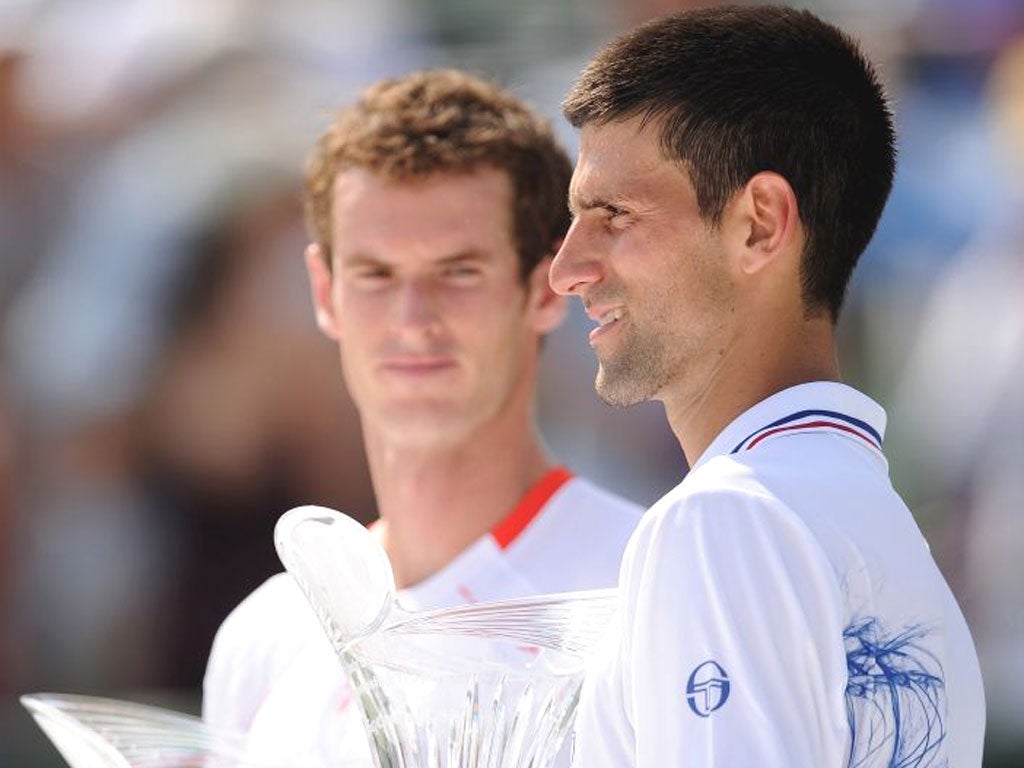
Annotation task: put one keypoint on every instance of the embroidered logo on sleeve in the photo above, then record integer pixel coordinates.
(707, 689)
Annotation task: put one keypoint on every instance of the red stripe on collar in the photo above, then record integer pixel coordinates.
(812, 425)
(529, 506)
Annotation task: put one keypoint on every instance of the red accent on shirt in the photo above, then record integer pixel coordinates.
(533, 501)
(345, 696)
(811, 425)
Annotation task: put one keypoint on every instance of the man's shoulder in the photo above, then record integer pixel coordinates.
(277, 593)
(261, 635)
(587, 497)
(723, 479)
(271, 614)
(577, 540)
(584, 510)
(775, 472)
(727, 493)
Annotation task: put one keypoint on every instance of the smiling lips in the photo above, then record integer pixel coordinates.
(417, 366)
(606, 320)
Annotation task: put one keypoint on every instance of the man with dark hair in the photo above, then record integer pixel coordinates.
(436, 203)
(780, 606)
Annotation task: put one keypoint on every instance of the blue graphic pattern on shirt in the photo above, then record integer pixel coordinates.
(895, 698)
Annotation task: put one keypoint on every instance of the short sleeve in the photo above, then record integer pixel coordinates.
(732, 646)
(247, 649)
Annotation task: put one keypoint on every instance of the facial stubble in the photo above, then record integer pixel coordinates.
(653, 354)
(637, 374)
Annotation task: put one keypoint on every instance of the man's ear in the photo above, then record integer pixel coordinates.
(321, 284)
(545, 308)
(765, 220)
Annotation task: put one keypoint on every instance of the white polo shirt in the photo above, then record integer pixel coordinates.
(781, 608)
(273, 674)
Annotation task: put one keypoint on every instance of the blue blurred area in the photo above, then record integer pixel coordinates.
(164, 395)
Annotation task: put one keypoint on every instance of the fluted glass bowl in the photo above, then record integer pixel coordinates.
(488, 685)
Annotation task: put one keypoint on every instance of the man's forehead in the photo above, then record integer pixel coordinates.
(617, 156)
(624, 146)
(641, 135)
(369, 200)
(357, 180)
(434, 216)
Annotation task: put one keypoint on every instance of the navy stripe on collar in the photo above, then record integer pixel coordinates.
(862, 425)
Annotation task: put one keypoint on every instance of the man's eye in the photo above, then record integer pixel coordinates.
(462, 272)
(615, 216)
(373, 276)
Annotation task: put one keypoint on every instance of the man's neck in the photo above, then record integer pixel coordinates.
(435, 503)
(754, 367)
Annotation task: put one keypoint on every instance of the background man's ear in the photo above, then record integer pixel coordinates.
(321, 284)
(545, 308)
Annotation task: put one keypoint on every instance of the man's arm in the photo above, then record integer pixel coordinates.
(246, 651)
(732, 648)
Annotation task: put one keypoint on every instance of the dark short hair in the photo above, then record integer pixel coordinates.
(739, 90)
(447, 121)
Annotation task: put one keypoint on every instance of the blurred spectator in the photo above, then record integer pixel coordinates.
(244, 419)
(29, 186)
(962, 410)
(7, 518)
(93, 561)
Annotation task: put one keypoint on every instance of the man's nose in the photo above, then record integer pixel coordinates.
(576, 264)
(416, 307)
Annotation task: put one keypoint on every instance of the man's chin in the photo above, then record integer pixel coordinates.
(619, 389)
(423, 426)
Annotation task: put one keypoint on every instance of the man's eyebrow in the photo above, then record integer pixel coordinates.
(469, 254)
(360, 259)
(578, 203)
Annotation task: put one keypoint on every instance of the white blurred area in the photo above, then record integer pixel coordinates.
(164, 395)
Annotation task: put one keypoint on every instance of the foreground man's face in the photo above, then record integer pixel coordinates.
(646, 266)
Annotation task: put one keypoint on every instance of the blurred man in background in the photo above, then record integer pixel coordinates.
(436, 203)
(780, 606)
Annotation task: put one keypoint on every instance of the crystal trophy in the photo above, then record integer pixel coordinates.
(489, 685)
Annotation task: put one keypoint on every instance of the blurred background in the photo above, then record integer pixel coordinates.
(164, 395)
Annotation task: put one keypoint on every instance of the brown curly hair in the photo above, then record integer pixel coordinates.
(446, 121)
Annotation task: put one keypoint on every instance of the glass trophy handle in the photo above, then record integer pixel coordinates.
(341, 568)
(347, 578)
(93, 732)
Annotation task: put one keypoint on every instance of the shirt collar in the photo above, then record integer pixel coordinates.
(818, 404)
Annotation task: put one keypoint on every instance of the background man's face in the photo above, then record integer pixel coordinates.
(434, 325)
(648, 269)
